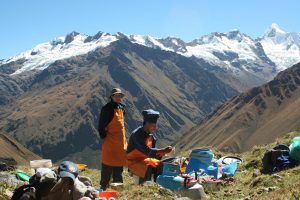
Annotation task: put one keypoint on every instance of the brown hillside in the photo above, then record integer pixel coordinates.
(10, 148)
(56, 114)
(255, 117)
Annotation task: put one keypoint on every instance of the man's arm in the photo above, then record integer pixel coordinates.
(104, 120)
(139, 143)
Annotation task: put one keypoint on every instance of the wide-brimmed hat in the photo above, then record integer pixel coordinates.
(117, 91)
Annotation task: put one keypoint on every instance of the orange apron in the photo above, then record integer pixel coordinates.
(138, 162)
(115, 143)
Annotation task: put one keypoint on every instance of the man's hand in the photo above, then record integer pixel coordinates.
(168, 149)
(163, 152)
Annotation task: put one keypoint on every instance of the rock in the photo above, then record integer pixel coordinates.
(10, 179)
(269, 189)
(165, 192)
(276, 176)
(156, 195)
(9, 193)
(260, 191)
(183, 198)
(195, 192)
(117, 186)
(256, 173)
(255, 181)
(149, 183)
(7, 164)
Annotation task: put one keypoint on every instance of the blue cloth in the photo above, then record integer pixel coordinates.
(137, 141)
(282, 162)
(230, 169)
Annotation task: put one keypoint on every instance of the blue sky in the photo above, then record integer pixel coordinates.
(25, 23)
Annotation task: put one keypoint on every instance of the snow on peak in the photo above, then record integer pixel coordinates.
(73, 44)
(218, 48)
(148, 41)
(281, 47)
(273, 30)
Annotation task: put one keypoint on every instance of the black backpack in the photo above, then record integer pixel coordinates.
(276, 159)
(42, 189)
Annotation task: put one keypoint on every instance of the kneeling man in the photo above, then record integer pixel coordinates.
(143, 159)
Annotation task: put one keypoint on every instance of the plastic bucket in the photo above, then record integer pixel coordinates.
(108, 195)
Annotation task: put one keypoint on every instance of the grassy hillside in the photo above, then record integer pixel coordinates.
(283, 185)
(257, 116)
(10, 148)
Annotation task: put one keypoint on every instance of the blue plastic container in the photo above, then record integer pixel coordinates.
(199, 159)
(170, 182)
(170, 169)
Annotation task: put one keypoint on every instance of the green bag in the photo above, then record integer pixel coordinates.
(22, 175)
(295, 148)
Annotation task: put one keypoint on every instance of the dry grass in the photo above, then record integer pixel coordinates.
(131, 191)
(266, 187)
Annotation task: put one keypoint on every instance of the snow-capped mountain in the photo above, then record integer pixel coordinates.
(254, 61)
(281, 47)
(42, 55)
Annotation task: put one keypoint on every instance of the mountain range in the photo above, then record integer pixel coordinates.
(51, 95)
(234, 55)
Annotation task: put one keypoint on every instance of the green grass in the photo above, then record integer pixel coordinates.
(285, 188)
(242, 187)
(131, 191)
(4, 187)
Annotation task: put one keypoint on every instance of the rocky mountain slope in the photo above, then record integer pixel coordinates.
(239, 60)
(51, 95)
(257, 116)
(56, 111)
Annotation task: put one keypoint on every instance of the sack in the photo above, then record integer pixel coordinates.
(276, 159)
(38, 187)
(23, 193)
(295, 149)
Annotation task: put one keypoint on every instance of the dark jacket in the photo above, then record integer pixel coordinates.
(106, 115)
(137, 141)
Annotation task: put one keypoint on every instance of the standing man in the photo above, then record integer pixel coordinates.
(143, 159)
(112, 131)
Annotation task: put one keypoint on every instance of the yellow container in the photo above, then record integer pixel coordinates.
(81, 167)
